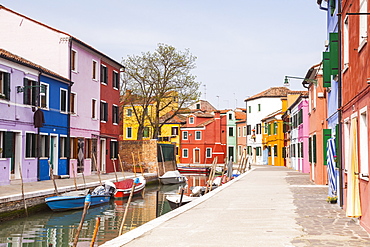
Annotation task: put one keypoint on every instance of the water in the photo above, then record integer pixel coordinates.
(49, 228)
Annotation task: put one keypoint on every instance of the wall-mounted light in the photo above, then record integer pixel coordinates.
(306, 81)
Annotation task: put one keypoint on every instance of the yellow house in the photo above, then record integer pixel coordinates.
(132, 109)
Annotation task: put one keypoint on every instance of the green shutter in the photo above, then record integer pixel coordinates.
(334, 62)
(314, 158)
(337, 149)
(326, 135)
(8, 144)
(310, 149)
(326, 70)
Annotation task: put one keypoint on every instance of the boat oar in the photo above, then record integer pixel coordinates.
(97, 224)
(52, 176)
(120, 163)
(136, 181)
(96, 167)
(86, 207)
(22, 188)
(115, 169)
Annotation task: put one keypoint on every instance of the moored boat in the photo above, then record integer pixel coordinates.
(193, 170)
(172, 177)
(76, 199)
(176, 201)
(124, 187)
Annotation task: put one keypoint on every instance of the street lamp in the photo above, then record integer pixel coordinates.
(306, 81)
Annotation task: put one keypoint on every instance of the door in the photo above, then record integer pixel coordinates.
(231, 153)
(9, 151)
(196, 155)
(103, 155)
(54, 154)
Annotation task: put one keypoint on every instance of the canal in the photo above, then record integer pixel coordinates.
(47, 228)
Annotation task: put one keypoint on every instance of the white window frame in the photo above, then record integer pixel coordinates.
(364, 146)
(185, 153)
(66, 100)
(113, 118)
(75, 70)
(95, 65)
(191, 120)
(185, 135)
(73, 110)
(104, 82)
(45, 94)
(208, 152)
(62, 146)
(118, 78)
(198, 135)
(94, 109)
(44, 137)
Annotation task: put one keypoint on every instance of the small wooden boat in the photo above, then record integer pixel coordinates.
(76, 199)
(124, 187)
(193, 170)
(176, 201)
(172, 177)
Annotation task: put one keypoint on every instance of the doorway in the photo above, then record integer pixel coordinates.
(103, 154)
(196, 155)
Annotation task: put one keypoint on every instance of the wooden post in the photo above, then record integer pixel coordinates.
(74, 175)
(141, 167)
(98, 170)
(164, 168)
(97, 224)
(127, 206)
(22, 188)
(86, 207)
(120, 163)
(115, 169)
(52, 176)
(133, 163)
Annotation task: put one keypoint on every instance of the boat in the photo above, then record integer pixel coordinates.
(193, 170)
(76, 199)
(124, 187)
(176, 201)
(172, 177)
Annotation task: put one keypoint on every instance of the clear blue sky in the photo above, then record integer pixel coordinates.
(243, 46)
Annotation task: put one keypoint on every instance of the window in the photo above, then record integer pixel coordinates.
(114, 149)
(300, 117)
(63, 100)
(94, 70)
(74, 147)
(230, 116)
(198, 105)
(239, 132)
(30, 145)
(198, 135)
(258, 128)
(115, 114)
(115, 80)
(93, 108)
(185, 135)
(174, 131)
(249, 150)
(208, 152)
(185, 153)
(128, 132)
(259, 107)
(4, 85)
(74, 61)
(129, 112)
(244, 131)
(314, 148)
(258, 151)
(103, 74)
(30, 92)
(249, 130)
(103, 111)
(364, 156)
(63, 147)
(363, 24)
(44, 95)
(249, 109)
(275, 151)
(191, 120)
(275, 128)
(332, 7)
(231, 131)
(73, 105)
(146, 132)
(346, 43)
(44, 146)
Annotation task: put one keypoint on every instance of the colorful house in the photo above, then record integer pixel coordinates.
(203, 138)
(24, 88)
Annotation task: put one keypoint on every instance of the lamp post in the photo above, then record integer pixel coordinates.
(306, 81)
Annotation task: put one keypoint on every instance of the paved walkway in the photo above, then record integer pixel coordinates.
(268, 206)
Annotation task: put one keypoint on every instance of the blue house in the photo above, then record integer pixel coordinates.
(54, 133)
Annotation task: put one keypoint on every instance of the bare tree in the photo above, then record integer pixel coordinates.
(159, 83)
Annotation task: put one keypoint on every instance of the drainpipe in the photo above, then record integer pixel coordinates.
(340, 131)
(68, 107)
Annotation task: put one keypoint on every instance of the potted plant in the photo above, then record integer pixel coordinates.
(332, 199)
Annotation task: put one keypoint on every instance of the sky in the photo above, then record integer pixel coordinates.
(243, 47)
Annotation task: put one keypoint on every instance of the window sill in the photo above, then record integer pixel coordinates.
(363, 43)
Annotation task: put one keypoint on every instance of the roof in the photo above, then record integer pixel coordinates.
(240, 115)
(271, 92)
(20, 60)
(59, 31)
(278, 112)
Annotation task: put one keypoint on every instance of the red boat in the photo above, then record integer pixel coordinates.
(194, 170)
(124, 187)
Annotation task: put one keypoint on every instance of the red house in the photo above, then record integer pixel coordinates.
(203, 138)
(109, 114)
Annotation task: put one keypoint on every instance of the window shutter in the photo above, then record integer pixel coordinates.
(106, 112)
(7, 86)
(26, 97)
(314, 149)
(310, 149)
(326, 136)
(326, 70)
(333, 46)
(8, 144)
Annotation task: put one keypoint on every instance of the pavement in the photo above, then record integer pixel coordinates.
(267, 206)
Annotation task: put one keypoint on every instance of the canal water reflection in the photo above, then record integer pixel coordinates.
(49, 228)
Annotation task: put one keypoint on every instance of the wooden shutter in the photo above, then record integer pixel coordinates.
(7, 86)
(8, 144)
(310, 149)
(314, 158)
(326, 135)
